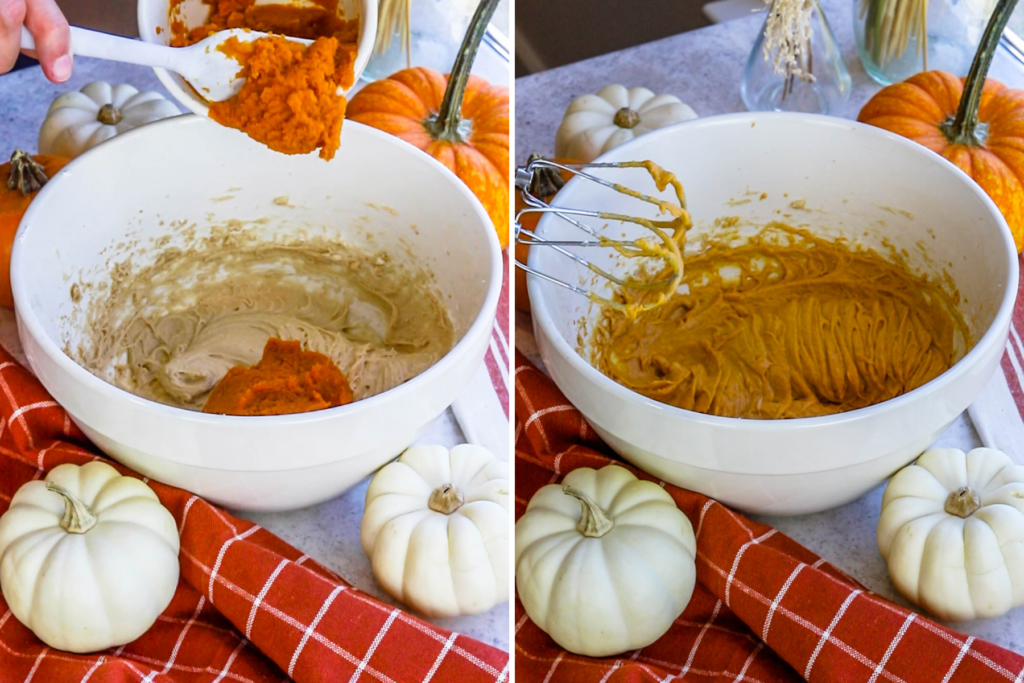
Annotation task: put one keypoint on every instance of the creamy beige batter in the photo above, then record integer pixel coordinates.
(171, 331)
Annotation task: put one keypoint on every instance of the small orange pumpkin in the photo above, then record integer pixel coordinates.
(976, 123)
(25, 175)
(460, 120)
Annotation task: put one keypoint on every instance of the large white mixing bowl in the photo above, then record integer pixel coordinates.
(378, 192)
(854, 179)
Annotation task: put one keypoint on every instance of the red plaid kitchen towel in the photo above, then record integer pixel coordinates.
(764, 609)
(249, 607)
(496, 360)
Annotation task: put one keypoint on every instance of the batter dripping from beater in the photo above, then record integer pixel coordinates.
(666, 246)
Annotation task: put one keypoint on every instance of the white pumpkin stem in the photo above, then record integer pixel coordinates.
(595, 522)
(626, 118)
(445, 499)
(77, 519)
(109, 115)
(963, 502)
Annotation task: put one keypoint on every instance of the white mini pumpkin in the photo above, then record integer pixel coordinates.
(604, 562)
(81, 119)
(435, 529)
(594, 124)
(951, 531)
(88, 558)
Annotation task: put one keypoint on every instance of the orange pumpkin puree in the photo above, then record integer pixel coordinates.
(319, 19)
(290, 99)
(286, 380)
(783, 325)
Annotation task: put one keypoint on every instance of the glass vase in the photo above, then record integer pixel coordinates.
(823, 89)
(436, 28)
(893, 51)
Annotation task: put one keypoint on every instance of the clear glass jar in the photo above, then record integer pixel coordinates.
(824, 90)
(946, 41)
(436, 29)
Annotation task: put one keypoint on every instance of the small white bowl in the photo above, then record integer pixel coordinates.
(854, 178)
(378, 193)
(154, 15)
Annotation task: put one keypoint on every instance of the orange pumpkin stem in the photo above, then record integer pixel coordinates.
(26, 175)
(447, 124)
(546, 180)
(965, 129)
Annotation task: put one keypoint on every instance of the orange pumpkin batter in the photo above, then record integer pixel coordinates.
(286, 380)
(290, 99)
(786, 325)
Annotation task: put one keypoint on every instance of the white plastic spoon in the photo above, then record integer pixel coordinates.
(211, 72)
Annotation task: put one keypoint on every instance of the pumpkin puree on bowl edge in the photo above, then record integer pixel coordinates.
(318, 20)
(286, 380)
(290, 99)
(784, 325)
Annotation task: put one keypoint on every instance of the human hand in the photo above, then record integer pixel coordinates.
(47, 25)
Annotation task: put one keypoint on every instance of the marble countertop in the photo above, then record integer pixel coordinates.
(704, 68)
(329, 532)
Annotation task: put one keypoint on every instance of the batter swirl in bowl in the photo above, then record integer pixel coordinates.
(784, 325)
(171, 331)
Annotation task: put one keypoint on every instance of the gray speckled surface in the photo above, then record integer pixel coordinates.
(329, 532)
(704, 69)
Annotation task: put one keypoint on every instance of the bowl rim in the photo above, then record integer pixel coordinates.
(543, 318)
(27, 317)
(147, 33)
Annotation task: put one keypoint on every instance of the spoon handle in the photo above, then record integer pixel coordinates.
(88, 43)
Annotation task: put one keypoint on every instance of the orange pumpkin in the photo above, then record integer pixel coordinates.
(522, 253)
(461, 120)
(24, 175)
(975, 123)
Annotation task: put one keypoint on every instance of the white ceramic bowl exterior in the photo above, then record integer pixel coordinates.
(378, 192)
(854, 178)
(154, 27)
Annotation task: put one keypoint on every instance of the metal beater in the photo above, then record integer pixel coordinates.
(541, 177)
